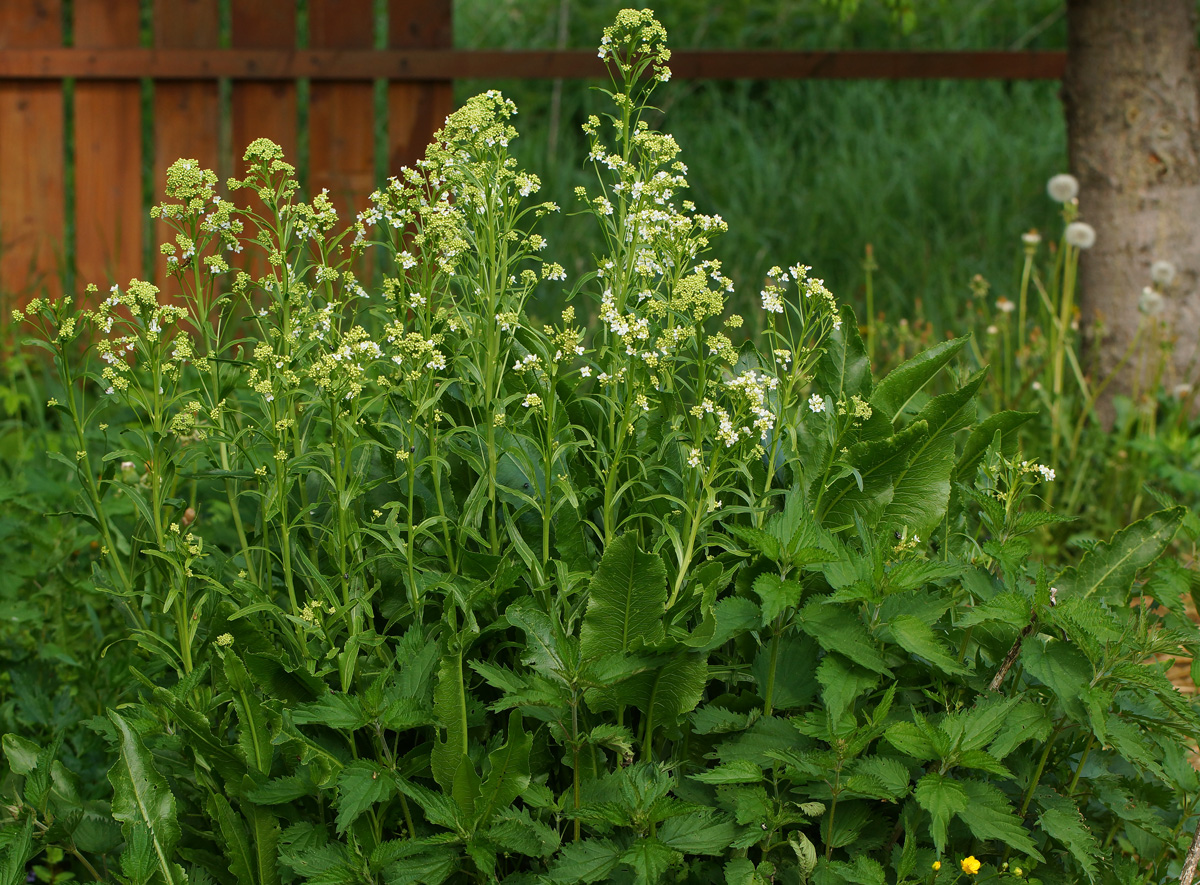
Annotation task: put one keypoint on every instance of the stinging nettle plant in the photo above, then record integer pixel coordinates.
(426, 590)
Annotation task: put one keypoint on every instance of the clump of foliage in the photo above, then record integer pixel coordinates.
(426, 591)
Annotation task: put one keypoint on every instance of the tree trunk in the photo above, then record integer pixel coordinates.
(1132, 97)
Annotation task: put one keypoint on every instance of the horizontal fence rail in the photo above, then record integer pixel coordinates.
(185, 64)
(87, 131)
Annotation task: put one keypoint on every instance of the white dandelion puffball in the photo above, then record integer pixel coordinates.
(1150, 302)
(1063, 188)
(1080, 234)
(1162, 273)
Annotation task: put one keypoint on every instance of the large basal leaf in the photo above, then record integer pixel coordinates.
(878, 463)
(981, 437)
(450, 709)
(141, 797)
(626, 600)
(843, 369)
(235, 841)
(901, 384)
(1108, 569)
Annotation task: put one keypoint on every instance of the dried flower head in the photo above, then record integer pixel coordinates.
(1080, 234)
(1063, 188)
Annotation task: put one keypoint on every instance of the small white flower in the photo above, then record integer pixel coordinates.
(1162, 273)
(992, 330)
(586, 371)
(816, 403)
(1004, 305)
(1063, 188)
(1046, 472)
(1080, 234)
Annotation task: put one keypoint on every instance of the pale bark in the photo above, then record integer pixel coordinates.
(1132, 97)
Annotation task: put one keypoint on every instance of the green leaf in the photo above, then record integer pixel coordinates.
(842, 683)
(21, 753)
(843, 369)
(333, 710)
(1109, 568)
(360, 785)
(20, 850)
(650, 860)
(1062, 668)
(878, 463)
(141, 797)
(450, 708)
(739, 771)
(795, 677)
(509, 774)
(942, 797)
(588, 860)
(254, 735)
(981, 437)
(626, 600)
(235, 841)
(840, 629)
(901, 384)
(918, 638)
(990, 816)
(777, 595)
(1061, 819)
(700, 832)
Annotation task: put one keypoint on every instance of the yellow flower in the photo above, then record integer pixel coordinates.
(970, 866)
(937, 865)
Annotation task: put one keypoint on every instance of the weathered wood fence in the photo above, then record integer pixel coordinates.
(210, 90)
(98, 234)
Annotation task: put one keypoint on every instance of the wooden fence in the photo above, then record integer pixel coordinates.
(83, 216)
(192, 114)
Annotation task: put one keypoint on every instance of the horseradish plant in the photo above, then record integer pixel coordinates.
(430, 591)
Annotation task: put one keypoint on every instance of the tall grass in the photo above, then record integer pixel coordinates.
(940, 177)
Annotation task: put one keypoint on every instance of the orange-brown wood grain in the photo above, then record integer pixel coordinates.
(186, 122)
(417, 110)
(31, 162)
(109, 216)
(341, 114)
(262, 108)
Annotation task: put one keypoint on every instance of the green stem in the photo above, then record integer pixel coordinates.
(1079, 768)
(1037, 773)
(770, 692)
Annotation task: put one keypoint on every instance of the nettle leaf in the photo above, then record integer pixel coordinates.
(795, 677)
(1060, 667)
(361, 785)
(918, 638)
(588, 860)
(911, 741)
(887, 776)
(19, 851)
(1061, 819)
(1109, 568)
(21, 753)
(335, 710)
(840, 629)
(626, 600)
(650, 860)
(701, 832)
(842, 683)
(777, 595)
(989, 815)
(900, 385)
(943, 797)
(141, 797)
(740, 771)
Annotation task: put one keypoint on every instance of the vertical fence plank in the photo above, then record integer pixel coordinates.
(417, 110)
(108, 153)
(341, 114)
(31, 160)
(262, 108)
(186, 114)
